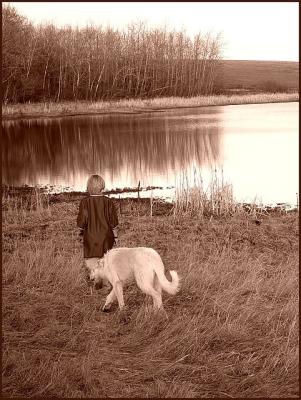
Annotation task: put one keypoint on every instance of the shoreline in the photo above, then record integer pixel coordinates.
(30, 194)
(137, 106)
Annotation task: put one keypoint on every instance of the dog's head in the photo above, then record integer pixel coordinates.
(92, 275)
(97, 274)
(95, 280)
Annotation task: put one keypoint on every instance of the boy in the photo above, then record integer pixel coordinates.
(97, 218)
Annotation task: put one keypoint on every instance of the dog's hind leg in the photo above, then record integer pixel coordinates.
(158, 306)
(146, 283)
(158, 288)
(157, 285)
(109, 300)
(157, 297)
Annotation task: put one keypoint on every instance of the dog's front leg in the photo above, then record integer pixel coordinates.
(117, 286)
(109, 300)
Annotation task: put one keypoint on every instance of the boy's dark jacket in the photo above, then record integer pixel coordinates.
(97, 216)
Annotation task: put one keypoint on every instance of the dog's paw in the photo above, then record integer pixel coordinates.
(123, 316)
(106, 309)
(98, 285)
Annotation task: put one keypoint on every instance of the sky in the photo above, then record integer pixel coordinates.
(250, 30)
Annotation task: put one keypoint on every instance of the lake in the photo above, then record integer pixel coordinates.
(254, 147)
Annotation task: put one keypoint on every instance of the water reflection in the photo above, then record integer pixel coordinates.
(152, 148)
(257, 146)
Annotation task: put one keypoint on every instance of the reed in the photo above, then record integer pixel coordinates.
(138, 105)
(195, 199)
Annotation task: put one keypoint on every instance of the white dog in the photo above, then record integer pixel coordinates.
(142, 264)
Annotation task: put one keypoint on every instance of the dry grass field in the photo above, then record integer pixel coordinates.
(259, 75)
(232, 329)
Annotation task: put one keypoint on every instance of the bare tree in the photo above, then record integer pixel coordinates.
(92, 63)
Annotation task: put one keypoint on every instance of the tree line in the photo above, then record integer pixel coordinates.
(47, 63)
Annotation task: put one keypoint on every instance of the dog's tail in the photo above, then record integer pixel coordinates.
(169, 287)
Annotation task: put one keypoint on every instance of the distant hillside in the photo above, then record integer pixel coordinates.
(258, 75)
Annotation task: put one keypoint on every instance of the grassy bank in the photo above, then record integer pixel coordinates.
(136, 105)
(232, 329)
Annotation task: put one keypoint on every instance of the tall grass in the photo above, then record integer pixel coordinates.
(232, 329)
(17, 208)
(131, 105)
(195, 198)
